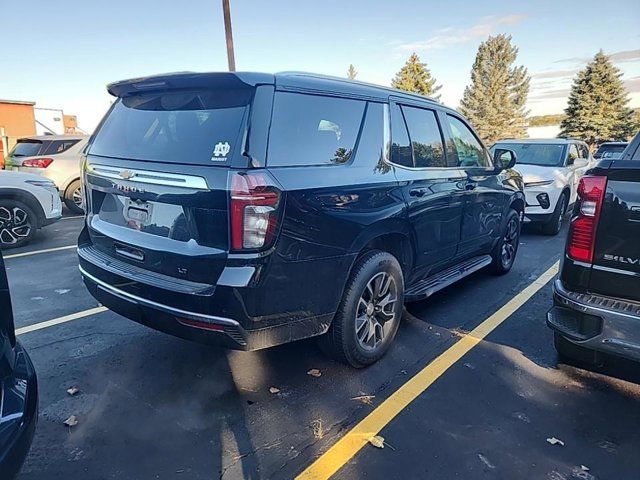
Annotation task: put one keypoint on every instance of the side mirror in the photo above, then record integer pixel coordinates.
(504, 159)
(581, 162)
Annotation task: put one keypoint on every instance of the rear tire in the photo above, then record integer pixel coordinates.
(506, 249)
(570, 351)
(369, 313)
(554, 225)
(73, 198)
(18, 224)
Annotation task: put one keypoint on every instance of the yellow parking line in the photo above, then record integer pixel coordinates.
(36, 252)
(59, 320)
(343, 450)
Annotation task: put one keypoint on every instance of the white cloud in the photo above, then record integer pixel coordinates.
(455, 36)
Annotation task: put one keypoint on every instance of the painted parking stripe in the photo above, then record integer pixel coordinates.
(71, 216)
(343, 450)
(36, 252)
(59, 320)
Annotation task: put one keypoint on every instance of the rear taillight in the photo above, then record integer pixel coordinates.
(582, 233)
(253, 210)
(37, 162)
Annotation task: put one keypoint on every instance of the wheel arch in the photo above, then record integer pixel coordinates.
(393, 237)
(28, 199)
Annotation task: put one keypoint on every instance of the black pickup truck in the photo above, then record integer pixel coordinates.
(597, 295)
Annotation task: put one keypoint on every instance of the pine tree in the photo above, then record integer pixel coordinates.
(495, 101)
(415, 77)
(598, 106)
(351, 73)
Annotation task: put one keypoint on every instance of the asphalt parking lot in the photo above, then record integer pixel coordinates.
(153, 406)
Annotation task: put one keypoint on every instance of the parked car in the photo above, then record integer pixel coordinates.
(551, 169)
(56, 157)
(27, 202)
(18, 391)
(611, 150)
(597, 295)
(259, 209)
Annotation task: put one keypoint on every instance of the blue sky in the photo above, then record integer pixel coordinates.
(62, 54)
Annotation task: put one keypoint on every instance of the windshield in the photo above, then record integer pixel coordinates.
(543, 154)
(26, 148)
(178, 127)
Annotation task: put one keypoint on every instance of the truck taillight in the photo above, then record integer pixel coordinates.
(253, 210)
(37, 162)
(582, 233)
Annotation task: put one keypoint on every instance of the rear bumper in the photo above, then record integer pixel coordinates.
(20, 414)
(596, 322)
(238, 312)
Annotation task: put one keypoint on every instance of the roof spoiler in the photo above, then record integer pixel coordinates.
(188, 81)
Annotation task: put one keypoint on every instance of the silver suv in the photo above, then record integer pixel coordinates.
(56, 157)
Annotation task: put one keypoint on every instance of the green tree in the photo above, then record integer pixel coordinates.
(598, 106)
(495, 101)
(415, 77)
(351, 72)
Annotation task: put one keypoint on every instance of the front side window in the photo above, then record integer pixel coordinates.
(583, 152)
(573, 154)
(313, 129)
(426, 140)
(470, 151)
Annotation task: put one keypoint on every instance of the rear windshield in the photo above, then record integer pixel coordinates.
(178, 127)
(610, 151)
(543, 154)
(26, 148)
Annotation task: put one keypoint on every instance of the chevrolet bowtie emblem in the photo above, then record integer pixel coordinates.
(127, 174)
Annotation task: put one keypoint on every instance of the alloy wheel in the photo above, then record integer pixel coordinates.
(14, 225)
(375, 313)
(76, 196)
(510, 243)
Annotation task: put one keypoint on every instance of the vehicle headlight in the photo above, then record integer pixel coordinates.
(541, 183)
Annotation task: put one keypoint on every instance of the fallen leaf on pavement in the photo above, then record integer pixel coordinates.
(314, 372)
(72, 421)
(366, 399)
(586, 469)
(274, 390)
(72, 390)
(555, 441)
(377, 441)
(318, 431)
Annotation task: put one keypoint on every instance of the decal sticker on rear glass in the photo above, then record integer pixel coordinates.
(220, 152)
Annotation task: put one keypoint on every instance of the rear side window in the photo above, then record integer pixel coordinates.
(59, 146)
(26, 149)
(583, 151)
(426, 140)
(400, 145)
(197, 127)
(313, 129)
(470, 151)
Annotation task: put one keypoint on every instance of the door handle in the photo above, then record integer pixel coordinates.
(470, 186)
(417, 192)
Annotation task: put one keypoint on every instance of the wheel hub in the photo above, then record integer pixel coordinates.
(375, 313)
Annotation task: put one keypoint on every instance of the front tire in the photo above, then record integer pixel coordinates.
(554, 225)
(505, 251)
(18, 224)
(73, 198)
(369, 313)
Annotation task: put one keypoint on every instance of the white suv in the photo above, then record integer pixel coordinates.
(551, 170)
(27, 203)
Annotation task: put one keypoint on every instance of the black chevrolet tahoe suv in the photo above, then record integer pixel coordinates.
(597, 295)
(258, 209)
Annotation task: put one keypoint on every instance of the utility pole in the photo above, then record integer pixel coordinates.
(229, 35)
